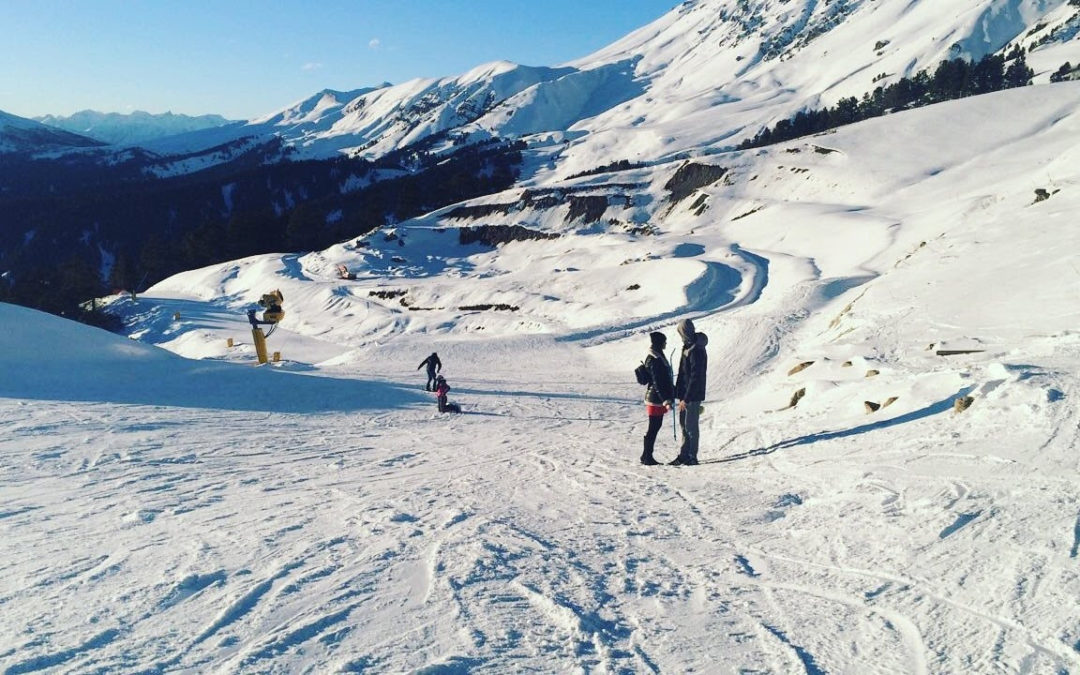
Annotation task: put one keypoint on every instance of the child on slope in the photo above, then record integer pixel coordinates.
(441, 390)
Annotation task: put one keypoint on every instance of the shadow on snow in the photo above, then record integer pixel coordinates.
(221, 386)
(941, 406)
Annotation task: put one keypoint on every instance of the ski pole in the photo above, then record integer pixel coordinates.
(674, 415)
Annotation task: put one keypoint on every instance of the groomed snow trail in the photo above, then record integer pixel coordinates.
(520, 533)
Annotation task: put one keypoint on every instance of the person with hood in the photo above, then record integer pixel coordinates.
(434, 365)
(690, 390)
(659, 394)
(441, 390)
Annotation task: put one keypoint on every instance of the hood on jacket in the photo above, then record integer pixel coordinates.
(686, 331)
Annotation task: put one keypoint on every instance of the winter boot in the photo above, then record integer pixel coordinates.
(647, 454)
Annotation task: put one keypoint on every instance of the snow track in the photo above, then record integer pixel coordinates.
(398, 541)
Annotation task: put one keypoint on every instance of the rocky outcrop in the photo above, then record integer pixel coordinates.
(482, 211)
(585, 203)
(493, 235)
(962, 403)
(589, 209)
(796, 397)
(692, 176)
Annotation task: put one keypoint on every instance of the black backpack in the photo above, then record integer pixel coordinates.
(642, 374)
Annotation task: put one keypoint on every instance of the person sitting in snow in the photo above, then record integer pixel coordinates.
(441, 390)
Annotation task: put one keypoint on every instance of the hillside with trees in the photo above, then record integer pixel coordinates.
(952, 79)
(146, 229)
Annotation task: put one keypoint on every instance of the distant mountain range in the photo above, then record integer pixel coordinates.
(21, 135)
(132, 128)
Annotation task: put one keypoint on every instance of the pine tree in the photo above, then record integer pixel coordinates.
(1018, 74)
(1060, 74)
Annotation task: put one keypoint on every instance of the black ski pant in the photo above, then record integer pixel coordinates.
(430, 386)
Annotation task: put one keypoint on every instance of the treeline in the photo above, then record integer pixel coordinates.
(619, 165)
(145, 230)
(326, 215)
(952, 79)
(65, 287)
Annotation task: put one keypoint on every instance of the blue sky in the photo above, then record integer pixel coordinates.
(245, 58)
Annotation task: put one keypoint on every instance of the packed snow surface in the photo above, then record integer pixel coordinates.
(170, 507)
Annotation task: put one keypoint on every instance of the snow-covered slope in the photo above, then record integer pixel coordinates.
(308, 116)
(319, 515)
(376, 120)
(729, 68)
(133, 128)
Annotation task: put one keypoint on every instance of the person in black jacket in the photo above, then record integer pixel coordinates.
(659, 394)
(690, 390)
(434, 365)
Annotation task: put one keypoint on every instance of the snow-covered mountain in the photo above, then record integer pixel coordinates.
(319, 515)
(890, 450)
(133, 128)
(738, 65)
(18, 134)
(310, 115)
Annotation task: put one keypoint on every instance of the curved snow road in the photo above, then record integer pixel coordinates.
(719, 287)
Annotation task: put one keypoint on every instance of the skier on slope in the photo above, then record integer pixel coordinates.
(434, 365)
(690, 390)
(659, 394)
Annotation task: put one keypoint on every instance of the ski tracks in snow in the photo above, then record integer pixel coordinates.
(475, 542)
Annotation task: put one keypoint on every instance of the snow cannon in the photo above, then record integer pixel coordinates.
(272, 304)
(272, 314)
